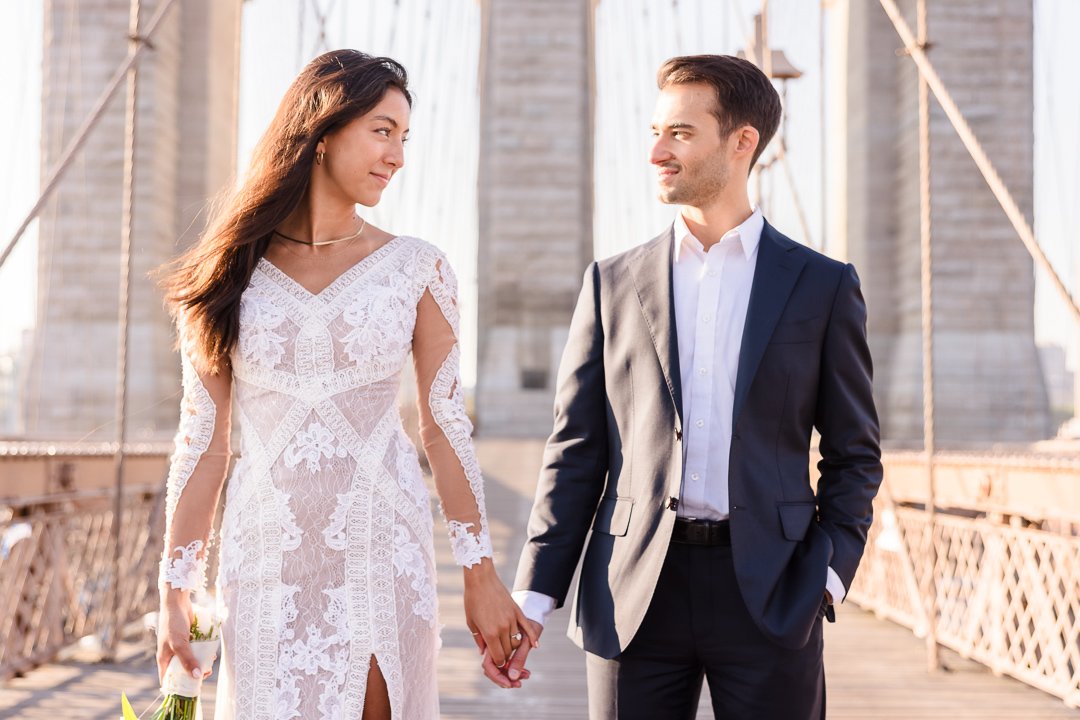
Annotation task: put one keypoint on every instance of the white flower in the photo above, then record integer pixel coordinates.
(288, 697)
(408, 560)
(378, 319)
(207, 620)
(259, 317)
(311, 445)
(330, 705)
(291, 534)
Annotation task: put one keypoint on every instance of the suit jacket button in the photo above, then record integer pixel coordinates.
(678, 434)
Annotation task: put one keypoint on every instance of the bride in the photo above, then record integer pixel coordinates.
(304, 314)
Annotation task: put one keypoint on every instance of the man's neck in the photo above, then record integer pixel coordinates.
(709, 223)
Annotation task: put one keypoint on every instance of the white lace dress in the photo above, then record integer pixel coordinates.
(326, 555)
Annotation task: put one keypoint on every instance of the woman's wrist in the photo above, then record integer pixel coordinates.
(174, 598)
(480, 573)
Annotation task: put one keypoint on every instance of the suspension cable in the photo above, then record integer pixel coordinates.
(134, 53)
(978, 154)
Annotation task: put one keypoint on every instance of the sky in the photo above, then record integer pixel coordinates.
(435, 197)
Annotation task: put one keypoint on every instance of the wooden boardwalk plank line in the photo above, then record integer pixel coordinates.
(875, 669)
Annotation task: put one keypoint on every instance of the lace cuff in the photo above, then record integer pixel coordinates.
(468, 549)
(187, 572)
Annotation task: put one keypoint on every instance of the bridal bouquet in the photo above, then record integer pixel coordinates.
(180, 689)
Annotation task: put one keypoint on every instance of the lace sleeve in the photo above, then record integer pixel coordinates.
(196, 475)
(444, 426)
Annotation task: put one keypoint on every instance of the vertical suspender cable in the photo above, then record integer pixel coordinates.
(823, 245)
(302, 9)
(933, 661)
(123, 326)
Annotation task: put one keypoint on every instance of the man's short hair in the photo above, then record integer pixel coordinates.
(744, 94)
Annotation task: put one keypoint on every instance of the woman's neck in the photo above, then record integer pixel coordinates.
(315, 222)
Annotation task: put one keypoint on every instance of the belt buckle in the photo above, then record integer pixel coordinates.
(696, 532)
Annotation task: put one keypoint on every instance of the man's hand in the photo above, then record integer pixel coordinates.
(513, 672)
(496, 622)
(516, 668)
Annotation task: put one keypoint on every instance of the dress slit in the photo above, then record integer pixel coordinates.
(381, 687)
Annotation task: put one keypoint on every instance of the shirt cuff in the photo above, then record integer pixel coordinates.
(534, 605)
(835, 586)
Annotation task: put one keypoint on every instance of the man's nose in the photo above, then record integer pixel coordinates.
(659, 153)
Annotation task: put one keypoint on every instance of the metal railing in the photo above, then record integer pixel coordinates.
(57, 582)
(1002, 558)
(1005, 590)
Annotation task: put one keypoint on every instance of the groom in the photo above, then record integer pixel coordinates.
(697, 366)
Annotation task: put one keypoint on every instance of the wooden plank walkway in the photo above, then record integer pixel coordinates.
(875, 669)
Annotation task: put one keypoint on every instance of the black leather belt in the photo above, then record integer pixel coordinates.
(701, 532)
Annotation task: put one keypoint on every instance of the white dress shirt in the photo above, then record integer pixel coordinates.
(711, 289)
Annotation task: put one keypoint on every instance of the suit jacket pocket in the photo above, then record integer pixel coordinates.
(795, 518)
(613, 515)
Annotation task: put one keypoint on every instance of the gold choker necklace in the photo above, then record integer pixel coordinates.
(324, 242)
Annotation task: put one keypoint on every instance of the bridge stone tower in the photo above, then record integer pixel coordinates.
(535, 198)
(186, 150)
(989, 386)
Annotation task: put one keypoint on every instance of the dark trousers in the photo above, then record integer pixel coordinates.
(698, 627)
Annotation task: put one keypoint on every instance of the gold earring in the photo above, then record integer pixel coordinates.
(319, 156)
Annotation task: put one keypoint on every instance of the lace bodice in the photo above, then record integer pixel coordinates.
(325, 549)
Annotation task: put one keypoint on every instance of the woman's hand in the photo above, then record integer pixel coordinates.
(495, 620)
(174, 634)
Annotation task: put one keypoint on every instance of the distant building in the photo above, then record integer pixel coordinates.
(1060, 380)
(988, 384)
(13, 364)
(7, 393)
(185, 153)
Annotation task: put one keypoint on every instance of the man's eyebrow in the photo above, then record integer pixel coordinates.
(677, 126)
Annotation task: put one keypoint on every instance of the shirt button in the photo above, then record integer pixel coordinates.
(706, 319)
(712, 273)
(701, 423)
(695, 476)
(703, 371)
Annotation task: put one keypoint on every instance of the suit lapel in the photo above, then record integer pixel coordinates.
(774, 278)
(651, 272)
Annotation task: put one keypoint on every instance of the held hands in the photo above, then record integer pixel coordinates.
(512, 673)
(497, 624)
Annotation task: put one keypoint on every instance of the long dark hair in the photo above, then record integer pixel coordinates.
(203, 286)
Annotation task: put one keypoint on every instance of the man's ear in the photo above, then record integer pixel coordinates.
(746, 140)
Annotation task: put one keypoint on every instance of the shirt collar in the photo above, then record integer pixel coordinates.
(748, 233)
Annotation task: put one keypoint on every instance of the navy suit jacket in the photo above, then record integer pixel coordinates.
(613, 464)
